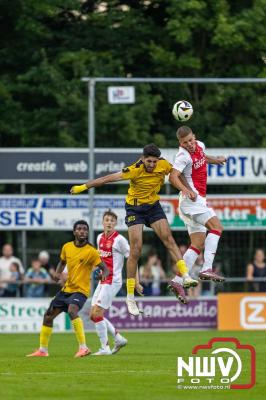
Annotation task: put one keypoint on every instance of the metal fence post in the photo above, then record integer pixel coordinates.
(23, 234)
(91, 146)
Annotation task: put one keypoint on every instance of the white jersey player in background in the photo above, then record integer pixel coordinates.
(113, 248)
(191, 161)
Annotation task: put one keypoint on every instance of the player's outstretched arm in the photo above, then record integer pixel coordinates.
(216, 160)
(117, 176)
(177, 180)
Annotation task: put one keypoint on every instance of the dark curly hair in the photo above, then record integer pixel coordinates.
(151, 150)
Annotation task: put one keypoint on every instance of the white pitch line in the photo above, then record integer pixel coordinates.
(165, 372)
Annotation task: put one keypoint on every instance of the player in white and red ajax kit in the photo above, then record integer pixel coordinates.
(191, 161)
(113, 248)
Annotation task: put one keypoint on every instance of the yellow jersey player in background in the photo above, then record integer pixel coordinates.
(146, 178)
(81, 258)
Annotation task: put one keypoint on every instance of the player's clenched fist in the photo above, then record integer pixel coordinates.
(57, 276)
(78, 189)
(221, 159)
(139, 289)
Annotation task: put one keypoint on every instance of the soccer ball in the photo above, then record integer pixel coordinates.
(182, 110)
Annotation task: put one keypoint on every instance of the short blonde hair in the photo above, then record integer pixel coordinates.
(183, 131)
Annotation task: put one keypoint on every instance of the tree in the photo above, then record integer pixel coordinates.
(47, 46)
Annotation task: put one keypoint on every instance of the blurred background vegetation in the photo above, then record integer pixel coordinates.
(47, 46)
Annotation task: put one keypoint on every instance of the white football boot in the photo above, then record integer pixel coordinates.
(122, 342)
(103, 352)
(132, 307)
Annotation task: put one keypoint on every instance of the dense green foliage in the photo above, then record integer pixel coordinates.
(46, 46)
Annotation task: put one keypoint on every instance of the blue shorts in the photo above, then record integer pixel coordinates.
(63, 299)
(145, 214)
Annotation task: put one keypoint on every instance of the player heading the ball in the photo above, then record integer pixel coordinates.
(146, 177)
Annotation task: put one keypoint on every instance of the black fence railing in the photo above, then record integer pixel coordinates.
(151, 288)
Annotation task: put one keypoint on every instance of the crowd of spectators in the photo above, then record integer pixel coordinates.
(151, 275)
(17, 281)
(37, 280)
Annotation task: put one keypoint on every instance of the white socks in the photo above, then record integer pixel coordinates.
(191, 256)
(192, 253)
(101, 329)
(178, 279)
(211, 244)
(110, 327)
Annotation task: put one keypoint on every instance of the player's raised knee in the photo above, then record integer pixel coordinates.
(218, 227)
(96, 313)
(221, 228)
(214, 224)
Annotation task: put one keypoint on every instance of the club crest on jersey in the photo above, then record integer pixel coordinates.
(109, 244)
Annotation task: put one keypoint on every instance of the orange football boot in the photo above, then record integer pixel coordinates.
(83, 352)
(38, 353)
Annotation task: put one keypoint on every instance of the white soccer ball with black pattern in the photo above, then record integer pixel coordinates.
(182, 110)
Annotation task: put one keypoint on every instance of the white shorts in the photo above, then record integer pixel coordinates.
(104, 294)
(195, 214)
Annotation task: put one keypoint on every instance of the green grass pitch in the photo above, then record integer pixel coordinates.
(145, 369)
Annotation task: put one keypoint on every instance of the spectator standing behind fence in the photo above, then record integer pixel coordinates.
(5, 261)
(36, 277)
(151, 274)
(12, 287)
(44, 258)
(257, 269)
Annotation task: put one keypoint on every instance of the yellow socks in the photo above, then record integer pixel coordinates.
(131, 287)
(182, 268)
(77, 324)
(45, 334)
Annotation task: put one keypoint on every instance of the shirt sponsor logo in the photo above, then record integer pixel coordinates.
(199, 163)
(104, 253)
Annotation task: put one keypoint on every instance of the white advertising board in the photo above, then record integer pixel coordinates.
(26, 315)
